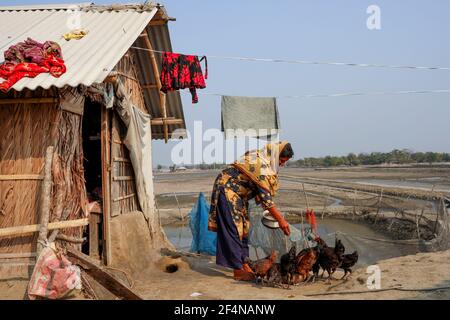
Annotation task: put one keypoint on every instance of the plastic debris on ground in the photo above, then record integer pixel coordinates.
(54, 276)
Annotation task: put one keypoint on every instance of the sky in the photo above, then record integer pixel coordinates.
(412, 33)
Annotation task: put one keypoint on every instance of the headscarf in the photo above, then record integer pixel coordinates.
(261, 166)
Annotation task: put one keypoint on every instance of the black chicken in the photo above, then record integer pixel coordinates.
(348, 261)
(288, 265)
(329, 258)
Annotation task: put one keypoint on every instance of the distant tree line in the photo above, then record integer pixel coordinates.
(394, 157)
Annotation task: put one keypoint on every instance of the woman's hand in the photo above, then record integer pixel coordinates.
(285, 227)
(281, 221)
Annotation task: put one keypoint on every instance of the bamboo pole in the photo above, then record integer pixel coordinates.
(45, 200)
(14, 231)
(162, 96)
(325, 205)
(306, 196)
(29, 101)
(18, 255)
(106, 183)
(7, 177)
(378, 205)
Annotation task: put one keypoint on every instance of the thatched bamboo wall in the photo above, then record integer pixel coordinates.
(26, 131)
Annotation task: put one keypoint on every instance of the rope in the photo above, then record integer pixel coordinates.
(377, 290)
(296, 61)
(343, 94)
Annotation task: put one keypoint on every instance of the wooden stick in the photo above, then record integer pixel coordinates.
(378, 205)
(161, 122)
(106, 183)
(101, 275)
(306, 196)
(124, 197)
(325, 205)
(45, 200)
(123, 178)
(29, 100)
(6, 177)
(63, 237)
(178, 204)
(14, 231)
(18, 255)
(354, 205)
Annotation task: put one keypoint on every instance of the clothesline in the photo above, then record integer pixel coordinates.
(346, 94)
(349, 64)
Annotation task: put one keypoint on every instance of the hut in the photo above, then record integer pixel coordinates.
(75, 151)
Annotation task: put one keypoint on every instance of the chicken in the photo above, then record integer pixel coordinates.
(305, 261)
(274, 277)
(262, 266)
(348, 261)
(288, 265)
(329, 258)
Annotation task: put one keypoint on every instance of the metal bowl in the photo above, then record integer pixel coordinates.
(269, 221)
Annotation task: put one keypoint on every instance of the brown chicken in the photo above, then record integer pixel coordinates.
(348, 261)
(262, 266)
(305, 261)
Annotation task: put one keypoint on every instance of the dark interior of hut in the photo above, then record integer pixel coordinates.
(92, 146)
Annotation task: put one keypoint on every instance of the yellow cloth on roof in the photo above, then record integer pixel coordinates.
(75, 34)
(261, 166)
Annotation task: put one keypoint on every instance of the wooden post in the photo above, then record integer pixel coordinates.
(94, 220)
(178, 204)
(306, 196)
(106, 183)
(378, 205)
(325, 204)
(354, 204)
(162, 95)
(45, 200)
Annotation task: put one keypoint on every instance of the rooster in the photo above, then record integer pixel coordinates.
(348, 261)
(262, 266)
(305, 261)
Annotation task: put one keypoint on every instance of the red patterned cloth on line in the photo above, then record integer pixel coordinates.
(29, 59)
(181, 72)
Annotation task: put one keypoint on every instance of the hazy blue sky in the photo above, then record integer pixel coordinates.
(413, 32)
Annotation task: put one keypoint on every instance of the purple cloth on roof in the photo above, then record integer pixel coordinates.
(32, 51)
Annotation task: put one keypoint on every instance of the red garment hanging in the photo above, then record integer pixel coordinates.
(181, 72)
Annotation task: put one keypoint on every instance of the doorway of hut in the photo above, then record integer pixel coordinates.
(92, 146)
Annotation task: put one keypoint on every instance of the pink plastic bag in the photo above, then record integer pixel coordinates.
(53, 277)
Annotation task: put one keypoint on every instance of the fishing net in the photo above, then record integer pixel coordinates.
(203, 240)
(268, 239)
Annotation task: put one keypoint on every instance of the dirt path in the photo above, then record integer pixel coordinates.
(423, 270)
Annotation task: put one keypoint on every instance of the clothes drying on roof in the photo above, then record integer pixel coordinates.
(249, 116)
(180, 71)
(29, 59)
(32, 51)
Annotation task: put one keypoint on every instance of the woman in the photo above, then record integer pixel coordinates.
(253, 176)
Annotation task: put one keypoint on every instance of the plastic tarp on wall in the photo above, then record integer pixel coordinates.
(138, 141)
(203, 240)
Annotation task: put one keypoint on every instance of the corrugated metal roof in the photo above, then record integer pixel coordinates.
(112, 31)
